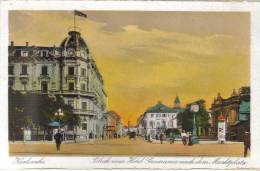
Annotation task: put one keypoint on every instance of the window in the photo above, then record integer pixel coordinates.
(152, 115)
(164, 124)
(11, 70)
(44, 86)
(24, 53)
(84, 105)
(170, 124)
(84, 126)
(71, 70)
(44, 53)
(83, 87)
(164, 115)
(24, 70)
(158, 115)
(151, 124)
(83, 72)
(44, 70)
(71, 103)
(158, 124)
(71, 86)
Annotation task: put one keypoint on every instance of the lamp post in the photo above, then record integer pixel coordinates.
(59, 114)
(194, 109)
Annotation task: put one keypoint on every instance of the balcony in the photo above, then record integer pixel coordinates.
(24, 75)
(85, 112)
(44, 77)
(78, 92)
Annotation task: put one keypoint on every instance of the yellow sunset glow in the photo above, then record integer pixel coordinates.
(146, 57)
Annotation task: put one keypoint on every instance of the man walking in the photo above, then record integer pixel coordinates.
(190, 139)
(58, 139)
(161, 138)
(247, 143)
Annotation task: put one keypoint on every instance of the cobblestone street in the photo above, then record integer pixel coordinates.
(124, 146)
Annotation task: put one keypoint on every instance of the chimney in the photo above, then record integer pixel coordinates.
(12, 43)
(27, 43)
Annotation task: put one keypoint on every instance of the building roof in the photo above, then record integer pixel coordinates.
(73, 40)
(161, 108)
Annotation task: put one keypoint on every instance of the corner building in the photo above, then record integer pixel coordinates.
(69, 71)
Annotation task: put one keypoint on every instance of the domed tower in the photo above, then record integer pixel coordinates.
(74, 45)
(81, 83)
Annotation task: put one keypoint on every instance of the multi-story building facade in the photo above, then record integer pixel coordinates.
(114, 127)
(68, 71)
(159, 118)
(236, 110)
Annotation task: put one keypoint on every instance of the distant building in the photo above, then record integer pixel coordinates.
(114, 127)
(236, 110)
(69, 71)
(159, 118)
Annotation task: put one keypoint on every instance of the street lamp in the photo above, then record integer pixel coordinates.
(59, 114)
(194, 109)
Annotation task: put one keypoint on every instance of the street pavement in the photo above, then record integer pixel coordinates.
(124, 147)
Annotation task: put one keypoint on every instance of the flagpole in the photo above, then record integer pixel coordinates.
(74, 21)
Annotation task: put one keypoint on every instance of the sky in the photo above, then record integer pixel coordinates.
(146, 57)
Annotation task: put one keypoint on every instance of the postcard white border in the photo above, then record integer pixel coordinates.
(86, 162)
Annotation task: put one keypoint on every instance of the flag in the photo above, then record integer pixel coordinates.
(81, 14)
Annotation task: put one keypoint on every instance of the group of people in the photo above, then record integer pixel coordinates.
(186, 138)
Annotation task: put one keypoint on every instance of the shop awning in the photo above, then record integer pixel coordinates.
(54, 124)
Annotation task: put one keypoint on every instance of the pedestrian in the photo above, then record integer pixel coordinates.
(184, 137)
(58, 139)
(172, 137)
(75, 136)
(247, 143)
(190, 139)
(149, 138)
(161, 138)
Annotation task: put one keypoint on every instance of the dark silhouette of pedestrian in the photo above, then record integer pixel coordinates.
(161, 138)
(149, 138)
(190, 139)
(172, 137)
(247, 143)
(90, 135)
(58, 140)
(74, 137)
(156, 137)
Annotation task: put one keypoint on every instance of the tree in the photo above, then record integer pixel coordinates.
(36, 110)
(201, 117)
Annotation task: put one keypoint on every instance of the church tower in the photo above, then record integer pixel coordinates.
(177, 103)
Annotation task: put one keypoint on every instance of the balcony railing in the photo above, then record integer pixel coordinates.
(79, 92)
(85, 112)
